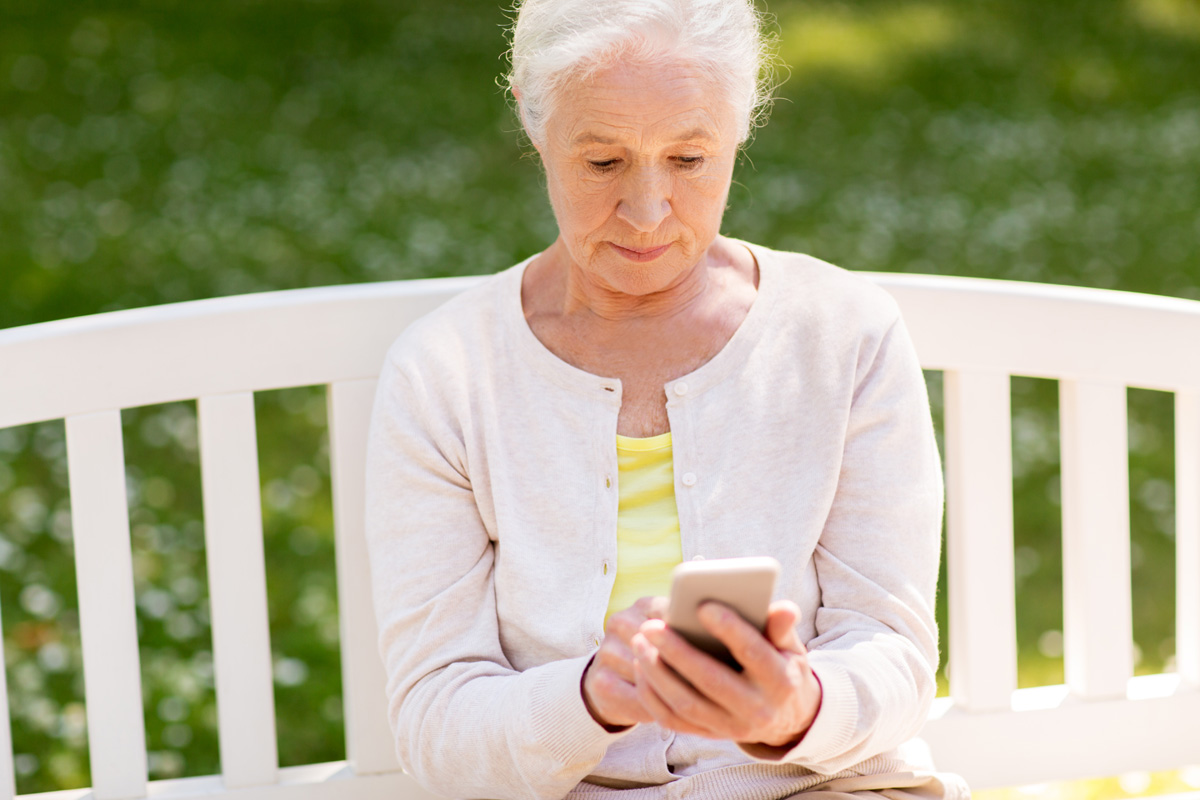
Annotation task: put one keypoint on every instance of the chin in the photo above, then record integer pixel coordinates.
(640, 279)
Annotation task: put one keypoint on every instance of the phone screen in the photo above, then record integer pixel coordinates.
(746, 585)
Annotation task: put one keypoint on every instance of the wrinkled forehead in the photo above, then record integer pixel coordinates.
(642, 105)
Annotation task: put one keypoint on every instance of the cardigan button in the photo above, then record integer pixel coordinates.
(681, 388)
(689, 479)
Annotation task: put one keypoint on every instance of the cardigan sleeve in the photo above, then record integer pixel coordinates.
(875, 650)
(467, 724)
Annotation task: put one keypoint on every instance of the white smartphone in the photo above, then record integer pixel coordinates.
(744, 584)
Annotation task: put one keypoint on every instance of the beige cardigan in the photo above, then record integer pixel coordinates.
(491, 518)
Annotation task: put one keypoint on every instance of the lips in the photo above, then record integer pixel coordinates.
(641, 253)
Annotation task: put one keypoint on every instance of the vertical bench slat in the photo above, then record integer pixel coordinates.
(237, 590)
(8, 780)
(979, 518)
(107, 619)
(1097, 613)
(369, 742)
(1187, 535)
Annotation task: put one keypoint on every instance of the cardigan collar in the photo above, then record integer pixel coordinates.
(608, 390)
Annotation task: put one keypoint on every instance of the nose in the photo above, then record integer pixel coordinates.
(645, 200)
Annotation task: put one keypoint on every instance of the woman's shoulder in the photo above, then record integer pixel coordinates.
(811, 288)
(464, 329)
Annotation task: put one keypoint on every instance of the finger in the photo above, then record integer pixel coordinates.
(758, 657)
(613, 698)
(781, 626)
(624, 624)
(675, 692)
(658, 708)
(651, 607)
(712, 679)
(615, 655)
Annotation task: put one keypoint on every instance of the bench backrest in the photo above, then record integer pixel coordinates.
(1097, 343)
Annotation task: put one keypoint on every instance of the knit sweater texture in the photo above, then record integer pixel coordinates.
(491, 516)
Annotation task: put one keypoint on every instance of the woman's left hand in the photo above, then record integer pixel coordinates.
(773, 701)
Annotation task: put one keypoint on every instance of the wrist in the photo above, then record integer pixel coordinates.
(789, 741)
(591, 709)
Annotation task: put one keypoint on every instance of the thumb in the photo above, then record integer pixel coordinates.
(781, 626)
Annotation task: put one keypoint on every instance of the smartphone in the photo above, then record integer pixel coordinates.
(744, 584)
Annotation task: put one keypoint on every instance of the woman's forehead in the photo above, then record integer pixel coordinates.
(665, 103)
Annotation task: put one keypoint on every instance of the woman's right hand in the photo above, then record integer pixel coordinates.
(608, 689)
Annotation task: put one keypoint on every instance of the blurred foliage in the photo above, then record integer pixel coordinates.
(158, 151)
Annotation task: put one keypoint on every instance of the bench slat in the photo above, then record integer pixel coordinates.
(237, 589)
(1097, 596)
(370, 746)
(1187, 536)
(979, 518)
(107, 619)
(8, 780)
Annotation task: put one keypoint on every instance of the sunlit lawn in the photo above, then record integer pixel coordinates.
(155, 152)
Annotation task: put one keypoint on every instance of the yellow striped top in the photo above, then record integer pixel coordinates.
(648, 544)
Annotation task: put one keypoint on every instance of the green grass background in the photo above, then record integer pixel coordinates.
(163, 150)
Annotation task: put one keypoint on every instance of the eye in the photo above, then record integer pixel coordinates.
(607, 165)
(689, 162)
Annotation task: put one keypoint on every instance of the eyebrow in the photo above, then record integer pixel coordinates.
(595, 138)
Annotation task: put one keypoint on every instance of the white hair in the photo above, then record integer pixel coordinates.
(556, 41)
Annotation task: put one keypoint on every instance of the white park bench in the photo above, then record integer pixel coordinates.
(1104, 721)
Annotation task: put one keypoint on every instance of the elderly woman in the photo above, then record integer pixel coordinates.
(547, 446)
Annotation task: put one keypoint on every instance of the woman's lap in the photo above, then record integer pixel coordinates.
(892, 786)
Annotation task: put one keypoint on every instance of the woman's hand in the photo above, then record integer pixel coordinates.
(773, 701)
(608, 689)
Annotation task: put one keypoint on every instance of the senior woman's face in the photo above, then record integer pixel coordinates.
(638, 163)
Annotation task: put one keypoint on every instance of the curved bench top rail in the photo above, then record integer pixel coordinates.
(179, 351)
(1046, 331)
(311, 336)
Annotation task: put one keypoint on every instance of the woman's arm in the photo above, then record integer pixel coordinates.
(466, 723)
(875, 651)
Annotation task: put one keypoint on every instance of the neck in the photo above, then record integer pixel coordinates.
(584, 296)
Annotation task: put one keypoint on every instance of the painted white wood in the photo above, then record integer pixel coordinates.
(1038, 330)
(277, 339)
(300, 337)
(107, 619)
(370, 746)
(329, 781)
(979, 331)
(1058, 737)
(237, 589)
(1187, 537)
(979, 533)
(8, 779)
(1097, 593)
